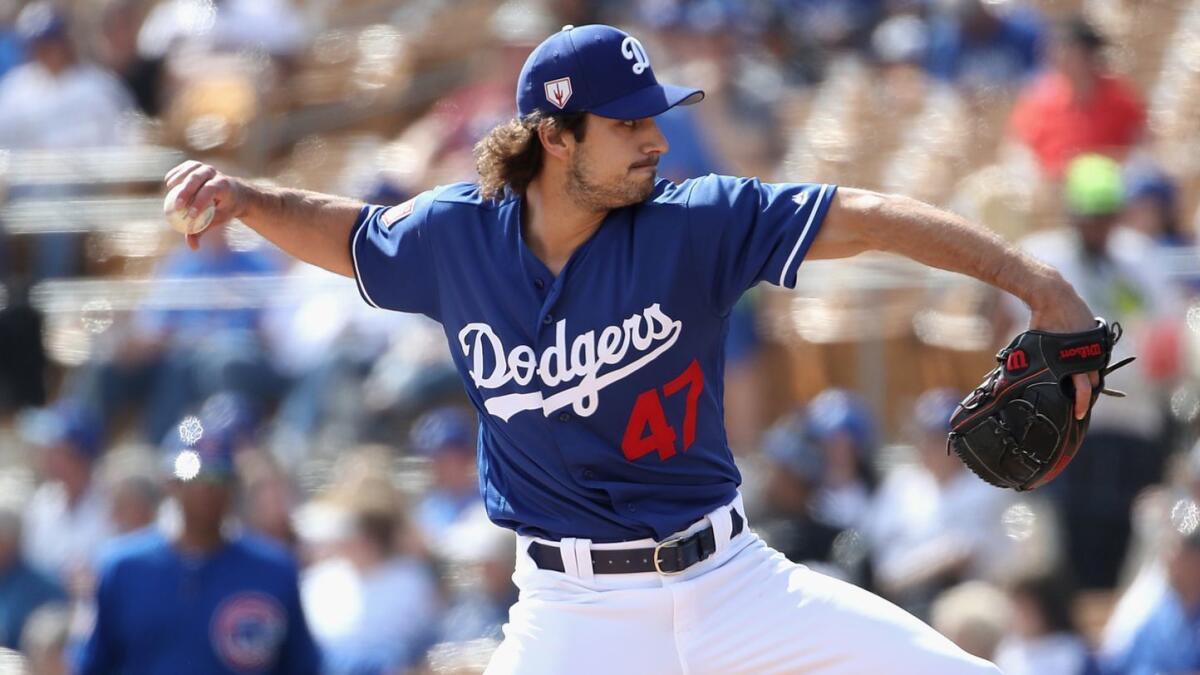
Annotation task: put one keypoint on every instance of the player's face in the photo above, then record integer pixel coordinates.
(616, 164)
(204, 503)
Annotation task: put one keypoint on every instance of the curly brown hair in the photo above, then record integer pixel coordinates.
(511, 154)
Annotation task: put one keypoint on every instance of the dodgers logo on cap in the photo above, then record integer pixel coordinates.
(597, 69)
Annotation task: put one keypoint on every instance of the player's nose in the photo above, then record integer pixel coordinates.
(656, 142)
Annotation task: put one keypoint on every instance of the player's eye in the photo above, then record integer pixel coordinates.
(629, 124)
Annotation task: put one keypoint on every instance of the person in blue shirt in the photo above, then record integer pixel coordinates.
(446, 436)
(586, 303)
(1168, 641)
(22, 589)
(974, 45)
(203, 599)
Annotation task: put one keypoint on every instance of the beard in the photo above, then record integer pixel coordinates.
(599, 195)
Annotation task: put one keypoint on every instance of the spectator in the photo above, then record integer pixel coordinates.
(842, 426)
(143, 76)
(56, 100)
(935, 524)
(269, 499)
(353, 596)
(67, 519)
(1043, 637)
(973, 614)
(447, 437)
(135, 497)
(22, 590)
(274, 27)
(482, 559)
(1078, 106)
(978, 45)
(1169, 639)
(795, 470)
(1124, 449)
(12, 52)
(215, 601)
(45, 640)
(174, 359)
(1152, 206)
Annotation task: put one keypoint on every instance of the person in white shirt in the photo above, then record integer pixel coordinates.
(56, 100)
(69, 515)
(1042, 637)
(934, 523)
(371, 608)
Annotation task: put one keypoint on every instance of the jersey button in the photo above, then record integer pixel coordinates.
(632, 508)
(589, 474)
(564, 417)
(539, 283)
(547, 319)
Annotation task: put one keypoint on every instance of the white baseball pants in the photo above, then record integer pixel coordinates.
(746, 609)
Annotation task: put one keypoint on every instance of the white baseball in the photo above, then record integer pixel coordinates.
(177, 218)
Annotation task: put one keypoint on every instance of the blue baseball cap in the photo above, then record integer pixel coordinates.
(597, 69)
(786, 445)
(200, 448)
(934, 408)
(837, 411)
(68, 422)
(442, 429)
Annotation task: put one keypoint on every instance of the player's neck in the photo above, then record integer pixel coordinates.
(554, 225)
(199, 541)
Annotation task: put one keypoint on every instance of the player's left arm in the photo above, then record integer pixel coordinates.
(861, 220)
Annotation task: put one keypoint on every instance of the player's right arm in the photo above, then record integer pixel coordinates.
(310, 226)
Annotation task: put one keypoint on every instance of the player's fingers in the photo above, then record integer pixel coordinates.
(211, 192)
(193, 241)
(1083, 394)
(174, 176)
(192, 185)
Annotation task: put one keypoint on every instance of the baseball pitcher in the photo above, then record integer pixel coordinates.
(585, 302)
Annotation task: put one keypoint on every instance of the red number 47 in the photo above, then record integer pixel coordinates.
(648, 412)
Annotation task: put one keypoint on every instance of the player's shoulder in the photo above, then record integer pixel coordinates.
(456, 200)
(263, 551)
(138, 547)
(693, 191)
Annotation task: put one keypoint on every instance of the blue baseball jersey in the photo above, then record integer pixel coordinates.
(600, 390)
(236, 611)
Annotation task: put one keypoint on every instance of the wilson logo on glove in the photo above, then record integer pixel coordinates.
(1021, 433)
(1016, 362)
(1084, 352)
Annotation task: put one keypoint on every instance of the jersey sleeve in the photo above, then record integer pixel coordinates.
(743, 231)
(391, 252)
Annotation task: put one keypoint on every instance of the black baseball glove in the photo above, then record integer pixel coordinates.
(1018, 429)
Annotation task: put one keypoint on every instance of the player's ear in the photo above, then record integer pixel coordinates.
(554, 139)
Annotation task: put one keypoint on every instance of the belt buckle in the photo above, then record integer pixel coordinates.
(669, 543)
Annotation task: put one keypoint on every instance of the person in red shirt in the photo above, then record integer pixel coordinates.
(1077, 106)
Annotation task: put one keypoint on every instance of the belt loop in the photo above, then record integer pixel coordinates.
(583, 559)
(566, 547)
(722, 525)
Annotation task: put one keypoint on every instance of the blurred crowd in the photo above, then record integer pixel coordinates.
(150, 394)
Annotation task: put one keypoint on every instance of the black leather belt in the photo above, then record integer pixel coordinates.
(671, 556)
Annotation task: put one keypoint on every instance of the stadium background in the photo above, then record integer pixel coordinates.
(946, 100)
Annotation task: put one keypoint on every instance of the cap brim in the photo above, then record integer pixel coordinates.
(648, 102)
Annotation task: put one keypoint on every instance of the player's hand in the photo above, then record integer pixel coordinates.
(204, 185)
(1061, 310)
